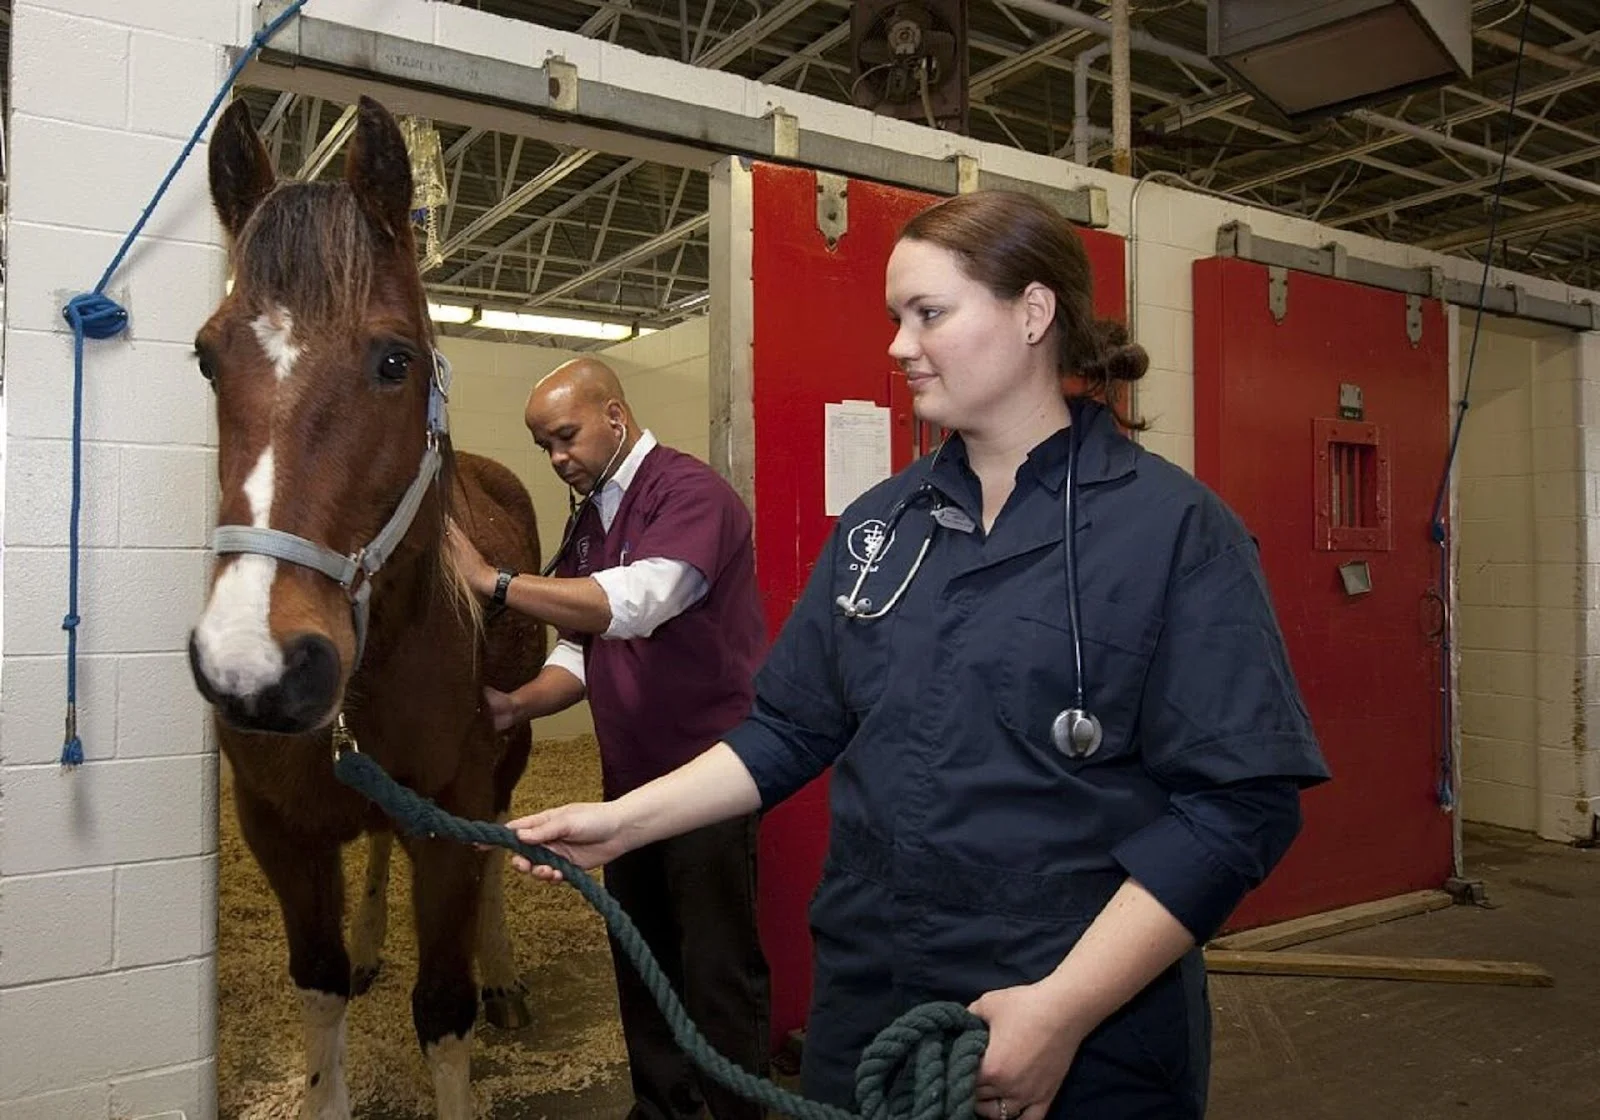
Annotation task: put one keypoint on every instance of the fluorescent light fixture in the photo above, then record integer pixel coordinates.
(551, 324)
(688, 303)
(532, 323)
(450, 313)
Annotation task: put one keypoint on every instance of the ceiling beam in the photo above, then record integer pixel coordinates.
(1393, 137)
(1523, 225)
(730, 48)
(545, 220)
(1486, 182)
(644, 251)
(512, 202)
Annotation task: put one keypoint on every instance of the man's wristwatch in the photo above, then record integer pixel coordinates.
(501, 584)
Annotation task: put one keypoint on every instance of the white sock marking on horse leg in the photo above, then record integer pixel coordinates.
(497, 962)
(450, 1059)
(237, 652)
(275, 331)
(322, 1020)
(372, 913)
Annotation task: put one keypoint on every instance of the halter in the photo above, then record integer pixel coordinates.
(354, 572)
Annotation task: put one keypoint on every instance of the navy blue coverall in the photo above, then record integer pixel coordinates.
(966, 852)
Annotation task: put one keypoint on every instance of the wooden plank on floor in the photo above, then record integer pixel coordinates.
(1516, 974)
(1314, 926)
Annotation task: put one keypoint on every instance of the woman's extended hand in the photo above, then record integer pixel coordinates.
(1031, 1046)
(587, 833)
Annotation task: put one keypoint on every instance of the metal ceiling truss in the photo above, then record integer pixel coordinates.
(527, 225)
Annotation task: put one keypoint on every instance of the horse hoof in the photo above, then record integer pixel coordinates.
(507, 1008)
(362, 976)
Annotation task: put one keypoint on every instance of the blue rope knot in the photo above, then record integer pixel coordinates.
(923, 1066)
(70, 622)
(95, 315)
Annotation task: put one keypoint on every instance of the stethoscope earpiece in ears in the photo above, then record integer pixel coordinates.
(1076, 733)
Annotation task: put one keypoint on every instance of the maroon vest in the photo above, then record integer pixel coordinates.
(659, 701)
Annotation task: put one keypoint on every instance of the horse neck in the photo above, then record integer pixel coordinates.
(410, 599)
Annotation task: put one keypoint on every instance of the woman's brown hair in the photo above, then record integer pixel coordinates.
(1007, 240)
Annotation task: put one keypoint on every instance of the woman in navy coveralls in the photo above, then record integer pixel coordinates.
(1063, 898)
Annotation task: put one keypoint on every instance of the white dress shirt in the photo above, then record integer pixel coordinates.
(644, 594)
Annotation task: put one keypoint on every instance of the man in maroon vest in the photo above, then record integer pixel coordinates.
(655, 605)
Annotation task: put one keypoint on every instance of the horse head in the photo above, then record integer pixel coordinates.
(330, 421)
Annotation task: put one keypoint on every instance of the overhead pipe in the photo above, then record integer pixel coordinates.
(1440, 140)
(1121, 96)
(1137, 39)
(1082, 131)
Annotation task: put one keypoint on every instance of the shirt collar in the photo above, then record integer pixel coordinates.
(1103, 455)
(623, 478)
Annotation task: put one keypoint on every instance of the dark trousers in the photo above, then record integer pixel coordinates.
(693, 898)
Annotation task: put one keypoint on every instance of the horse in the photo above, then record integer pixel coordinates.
(334, 605)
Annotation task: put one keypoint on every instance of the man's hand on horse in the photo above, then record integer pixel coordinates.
(502, 708)
(478, 572)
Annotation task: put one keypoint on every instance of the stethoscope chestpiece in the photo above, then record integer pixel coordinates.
(1076, 733)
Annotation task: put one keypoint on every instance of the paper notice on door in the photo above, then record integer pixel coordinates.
(855, 451)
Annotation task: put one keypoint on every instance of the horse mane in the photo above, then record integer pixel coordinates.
(463, 600)
(309, 246)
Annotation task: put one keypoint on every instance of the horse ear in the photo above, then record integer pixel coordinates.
(378, 168)
(241, 169)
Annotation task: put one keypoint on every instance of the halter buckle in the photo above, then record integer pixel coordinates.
(359, 578)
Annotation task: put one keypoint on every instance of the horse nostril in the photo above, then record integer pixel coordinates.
(310, 681)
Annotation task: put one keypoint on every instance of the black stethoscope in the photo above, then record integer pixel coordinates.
(1076, 732)
(576, 507)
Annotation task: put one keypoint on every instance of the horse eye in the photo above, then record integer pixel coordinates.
(394, 365)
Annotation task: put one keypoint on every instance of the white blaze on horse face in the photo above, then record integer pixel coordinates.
(237, 652)
(322, 1019)
(275, 331)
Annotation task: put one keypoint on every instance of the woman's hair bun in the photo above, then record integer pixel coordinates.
(1117, 359)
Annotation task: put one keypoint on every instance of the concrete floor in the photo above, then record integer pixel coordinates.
(1310, 1049)
(1313, 1049)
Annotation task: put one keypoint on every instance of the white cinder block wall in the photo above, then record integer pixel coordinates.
(667, 378)
(1525, 633)
(108, 873)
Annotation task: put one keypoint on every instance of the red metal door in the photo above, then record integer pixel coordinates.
(1324, 489)
(821, 334)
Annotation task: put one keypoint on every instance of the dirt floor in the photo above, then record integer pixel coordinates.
(1300, 1049)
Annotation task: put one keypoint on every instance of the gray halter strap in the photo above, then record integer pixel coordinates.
(354, 572)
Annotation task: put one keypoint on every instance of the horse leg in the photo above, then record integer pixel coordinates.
(372, 915)
(308, 879)
(446, 882)
(505, 997)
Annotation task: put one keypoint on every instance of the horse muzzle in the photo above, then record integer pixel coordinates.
(304, 696)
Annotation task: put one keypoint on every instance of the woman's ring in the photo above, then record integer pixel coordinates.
(1002, 1108)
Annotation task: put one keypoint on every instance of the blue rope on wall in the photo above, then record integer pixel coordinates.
(96, 315)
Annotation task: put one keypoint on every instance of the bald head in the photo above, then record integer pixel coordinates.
(586, 380)
(579, 416)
